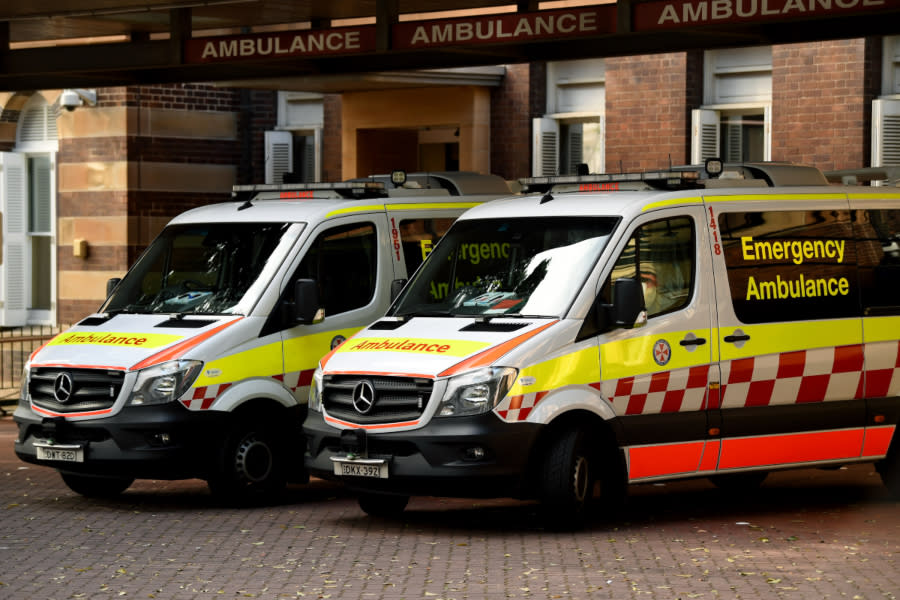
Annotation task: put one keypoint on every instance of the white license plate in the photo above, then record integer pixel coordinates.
(364, 467)
(60, 453)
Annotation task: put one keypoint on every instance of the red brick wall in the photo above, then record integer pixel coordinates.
(511, 124)
(648, 103)
(821, 102)
(331, 139)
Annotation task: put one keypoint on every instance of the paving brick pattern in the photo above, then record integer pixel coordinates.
(804, 534)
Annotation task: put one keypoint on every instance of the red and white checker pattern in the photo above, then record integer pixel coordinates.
(516, 408)
(799, 377)
(818, 375)
(297, 381)
(666, 391)
(201, 398)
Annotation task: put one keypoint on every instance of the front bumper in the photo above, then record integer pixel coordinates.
(435, 460)
(145, 442)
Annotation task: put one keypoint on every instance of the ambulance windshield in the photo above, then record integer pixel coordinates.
(516, 266)
(209, 268)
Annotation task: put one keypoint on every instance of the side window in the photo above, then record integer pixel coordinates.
(790, 265)
(418, 237)
(663, 255)
(878, 244)
(343, 261)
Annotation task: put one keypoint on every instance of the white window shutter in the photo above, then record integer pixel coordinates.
(704, 135)
(734, 142)
(886, 133)
(13, 268)
(545, 148)
(279, 155)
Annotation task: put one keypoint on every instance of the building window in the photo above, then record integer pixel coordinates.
(295, 148)
(734, 122)
(886, 111)
(571, 133)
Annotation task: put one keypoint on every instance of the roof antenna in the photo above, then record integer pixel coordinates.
(621, 168)
(670, 161)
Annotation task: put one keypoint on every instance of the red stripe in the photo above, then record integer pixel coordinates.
(382, 426)
(878, 440)
(490, 355)
(791, 448)
(710, 455)
(667, 459)
(179, 349)
(91, 413)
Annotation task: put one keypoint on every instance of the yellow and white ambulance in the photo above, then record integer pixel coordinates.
(626, 329)
(199, 362)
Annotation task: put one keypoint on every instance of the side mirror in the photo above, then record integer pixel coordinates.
(397, 287)
(627, 309)
(111, 285)
(306, 302)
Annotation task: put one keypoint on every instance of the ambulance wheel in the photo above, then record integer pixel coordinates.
(382, 505)
(739, 482)
(96, 487)
(567, 481)
(889, 469)
(251, 468)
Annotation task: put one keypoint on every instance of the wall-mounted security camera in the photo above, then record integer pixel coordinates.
(72, 99)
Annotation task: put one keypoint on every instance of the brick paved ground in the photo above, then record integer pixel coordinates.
(806, 534)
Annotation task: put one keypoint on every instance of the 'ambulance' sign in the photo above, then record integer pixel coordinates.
(283, 44)
(505, 28)
(691, 13)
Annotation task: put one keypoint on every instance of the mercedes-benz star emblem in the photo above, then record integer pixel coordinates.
(363, 396)
(63, 387)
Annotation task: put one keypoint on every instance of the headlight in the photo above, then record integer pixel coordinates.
(476, 392)
(164, 383)
(315, 391)
(23, 391)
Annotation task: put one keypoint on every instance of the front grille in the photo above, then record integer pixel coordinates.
(92, 389)
(396, 398)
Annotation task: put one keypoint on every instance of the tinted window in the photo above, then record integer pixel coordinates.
(662, 254)
(418, 237)
(790, 265)
(878, 235)
(343, 261)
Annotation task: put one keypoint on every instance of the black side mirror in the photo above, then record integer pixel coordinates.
(111, 285)
(306, 302)
(627, 304)
(397, 287)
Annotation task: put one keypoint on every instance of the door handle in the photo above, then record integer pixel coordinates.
(693, 342)
(731, 339)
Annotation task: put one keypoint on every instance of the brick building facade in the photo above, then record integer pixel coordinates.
(143, 154)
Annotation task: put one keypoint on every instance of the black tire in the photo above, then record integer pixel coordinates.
(382, 505)
(889, 469)
(251, 468)
(569, 471)
(739, 482)
(96, 487)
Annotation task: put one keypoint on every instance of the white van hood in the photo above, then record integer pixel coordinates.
(430, 347)
(127, 341)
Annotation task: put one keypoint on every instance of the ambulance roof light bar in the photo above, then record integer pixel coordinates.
(351, 190)
(652, 179)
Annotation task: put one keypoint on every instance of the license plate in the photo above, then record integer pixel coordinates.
(361, 467)
(59, 452)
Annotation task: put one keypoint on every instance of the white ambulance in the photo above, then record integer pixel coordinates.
(198, 363)
(627, 329)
